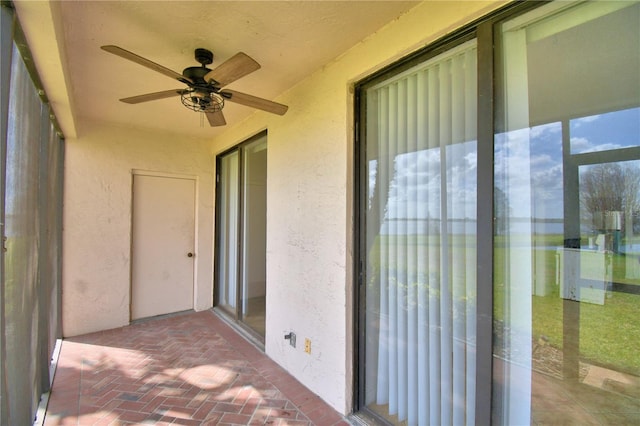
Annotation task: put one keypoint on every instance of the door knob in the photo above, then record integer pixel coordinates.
(189, 254)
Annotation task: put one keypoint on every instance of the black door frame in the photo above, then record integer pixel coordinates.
(485, 31)
(234, 317)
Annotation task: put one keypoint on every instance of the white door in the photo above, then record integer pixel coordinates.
(163, 245)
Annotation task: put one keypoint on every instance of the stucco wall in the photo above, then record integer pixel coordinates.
(97, 219)
(309, 197)
(309, 214)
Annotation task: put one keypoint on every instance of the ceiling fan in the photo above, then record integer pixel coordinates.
(204, 91)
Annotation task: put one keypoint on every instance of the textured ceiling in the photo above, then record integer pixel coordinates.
(290, 40)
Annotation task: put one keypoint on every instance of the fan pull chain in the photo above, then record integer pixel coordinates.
(202, 119)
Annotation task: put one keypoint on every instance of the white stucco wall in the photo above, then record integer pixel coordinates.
(97, 219)
(309, 197)
(309, 214)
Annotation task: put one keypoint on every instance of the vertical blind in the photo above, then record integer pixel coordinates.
(420, 242)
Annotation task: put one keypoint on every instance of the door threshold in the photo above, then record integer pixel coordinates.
(248, 335)
(161, 316)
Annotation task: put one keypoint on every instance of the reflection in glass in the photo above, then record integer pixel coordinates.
(241, 232)
(254, 232)
(566, 239)
(420, 243)
(603, 132)
(227, 231)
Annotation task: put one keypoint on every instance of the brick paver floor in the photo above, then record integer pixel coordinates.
(188, 369)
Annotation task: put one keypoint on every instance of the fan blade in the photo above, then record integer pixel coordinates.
(216, 118)
(254, 102)
(145, 62)
(232, 69)
(153, 96)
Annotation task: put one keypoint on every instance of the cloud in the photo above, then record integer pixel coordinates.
(576, 123)
(545, 130)
(580, 145)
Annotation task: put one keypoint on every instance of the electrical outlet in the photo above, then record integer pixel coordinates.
(307, 345)
(291, 337)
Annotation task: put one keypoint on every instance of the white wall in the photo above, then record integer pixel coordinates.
(309, 214)
(97, 219)
(309, 197)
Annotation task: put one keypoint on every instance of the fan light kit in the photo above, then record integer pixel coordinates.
(204, 91)
(202, 101)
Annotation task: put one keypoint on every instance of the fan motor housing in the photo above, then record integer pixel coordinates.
(196, 74)
(204, 56)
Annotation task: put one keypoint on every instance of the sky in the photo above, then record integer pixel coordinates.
(528, 168)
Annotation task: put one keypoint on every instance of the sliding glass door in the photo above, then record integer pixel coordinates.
(241, 234)
(497, 225)
(567, 168)
(420, 244)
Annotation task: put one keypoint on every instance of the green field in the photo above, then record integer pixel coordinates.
(609, 333)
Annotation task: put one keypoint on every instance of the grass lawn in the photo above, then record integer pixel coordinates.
(609, 333)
